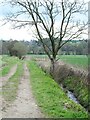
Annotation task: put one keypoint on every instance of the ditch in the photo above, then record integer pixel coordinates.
(71, 96)
(60, 78)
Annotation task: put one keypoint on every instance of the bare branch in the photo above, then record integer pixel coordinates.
(43, 15)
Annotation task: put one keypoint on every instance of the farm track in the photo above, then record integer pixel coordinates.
(0, 68)
(0, 106)
(24, 106)
(4, 79)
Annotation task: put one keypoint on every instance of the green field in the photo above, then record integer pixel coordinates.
(76, 60)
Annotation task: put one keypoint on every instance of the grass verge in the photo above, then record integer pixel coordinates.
(0, 60)
(9, 90)
(9, 61)
(51, 98)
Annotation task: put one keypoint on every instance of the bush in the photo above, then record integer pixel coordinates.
(20, 49)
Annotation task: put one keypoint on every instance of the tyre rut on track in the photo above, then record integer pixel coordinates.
(25, 105)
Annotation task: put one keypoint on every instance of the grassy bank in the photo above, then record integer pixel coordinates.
(73, 80)
(79, 88)
(9, 90)
(51, 98)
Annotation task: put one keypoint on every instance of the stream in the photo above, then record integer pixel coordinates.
(72, 97)
(70, 94)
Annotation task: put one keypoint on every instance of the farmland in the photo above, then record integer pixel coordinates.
(43, 88)
(76, 60)
(80, 61)
(43, 60)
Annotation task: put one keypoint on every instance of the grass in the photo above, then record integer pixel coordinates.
(0, 60)
(79, 88)
(38, 56)
(9, 90)
(9, 62)
(76, 60)
(51, 98)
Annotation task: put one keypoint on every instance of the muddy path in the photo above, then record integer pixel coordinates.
(5, 78)
(24, 106)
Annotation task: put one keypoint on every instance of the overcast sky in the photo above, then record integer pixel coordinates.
(6, 31)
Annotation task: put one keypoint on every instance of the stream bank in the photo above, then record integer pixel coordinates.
(74, 80)
(69, 94)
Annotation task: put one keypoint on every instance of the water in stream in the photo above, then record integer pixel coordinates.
(70, 94)
(72, 97)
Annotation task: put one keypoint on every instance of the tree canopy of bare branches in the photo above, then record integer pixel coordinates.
(54, 19)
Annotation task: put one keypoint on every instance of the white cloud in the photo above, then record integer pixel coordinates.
(6, 33)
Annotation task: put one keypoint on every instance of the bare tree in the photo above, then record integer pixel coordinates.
(44, 15)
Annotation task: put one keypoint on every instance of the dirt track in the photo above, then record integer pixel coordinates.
(3, 79)
(24, 106)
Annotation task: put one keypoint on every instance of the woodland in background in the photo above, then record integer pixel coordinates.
(78, 47)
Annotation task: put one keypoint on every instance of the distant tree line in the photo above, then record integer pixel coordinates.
(73, 47)
(21, 48)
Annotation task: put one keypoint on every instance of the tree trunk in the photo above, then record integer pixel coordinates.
(52, 67)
